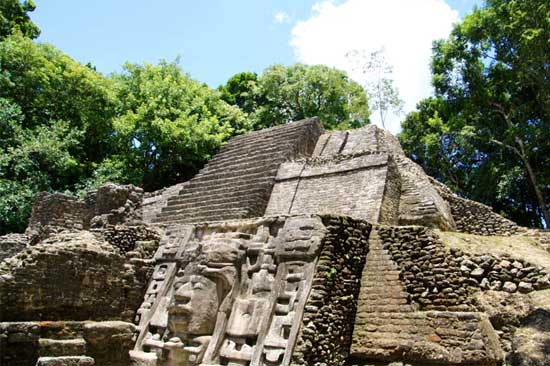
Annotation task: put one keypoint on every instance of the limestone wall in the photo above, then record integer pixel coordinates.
(390, 328)
(420, 202)
(439, 278)
(406, 197)
(110, 204)
(12, 244)
(327, 325)
(59, 209)
(354, 185)
(73, 276)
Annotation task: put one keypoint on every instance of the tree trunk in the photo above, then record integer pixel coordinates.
(530, 172)
(538, 193)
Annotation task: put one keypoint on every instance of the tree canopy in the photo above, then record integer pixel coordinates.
(15, 20)
(284, 94)
(487, 131)
(168, 125)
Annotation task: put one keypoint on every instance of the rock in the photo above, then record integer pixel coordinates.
(525, 287)
(517, 265)
(477, 272)
(530, 342)
(505, 264)
(509, 287)
(504, 308)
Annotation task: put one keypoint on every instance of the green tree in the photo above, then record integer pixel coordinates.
(32, 160)
(55, 125)
(382, 93)
(168, 125)
(239, 91)
(14, 19)
(48, 85)
(284, 94)
(492, 76)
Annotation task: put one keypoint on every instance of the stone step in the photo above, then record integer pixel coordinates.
(244, 201)
(377, 301)
(256, 136)
(214, 215)
(258, 178)
(384, 308)
(223, 191)
(276, 144)
(238, 170)
(246, 160)
(267, 150)
(259, 152)
(226, 185)
(252, 184)
(236, 195)
(61, 347)
(191, 209)
(65, 361)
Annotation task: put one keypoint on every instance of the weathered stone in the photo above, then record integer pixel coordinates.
(525, 287)
(271, 276)
(509, 287)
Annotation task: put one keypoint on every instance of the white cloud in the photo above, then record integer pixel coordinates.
(281, 17)
(405, 28)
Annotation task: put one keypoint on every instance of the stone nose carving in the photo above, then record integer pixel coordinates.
(183, 295)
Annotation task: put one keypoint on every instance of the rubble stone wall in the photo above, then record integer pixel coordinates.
(127, 238)
(389, 326)
(110, 204)
(59, 209)
(12, 244)
(475, 218)
(327, 324)
(439, 278)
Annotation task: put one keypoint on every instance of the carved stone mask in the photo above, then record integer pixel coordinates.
(194, 306)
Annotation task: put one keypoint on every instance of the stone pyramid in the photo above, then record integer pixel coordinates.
(292, 246)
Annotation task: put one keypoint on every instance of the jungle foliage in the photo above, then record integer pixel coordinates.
(485, 132)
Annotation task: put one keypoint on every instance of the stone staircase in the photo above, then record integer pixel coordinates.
(237, 182)
(63, 352)
(382, 291)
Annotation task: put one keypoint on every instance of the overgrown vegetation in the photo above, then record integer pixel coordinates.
(486, 131)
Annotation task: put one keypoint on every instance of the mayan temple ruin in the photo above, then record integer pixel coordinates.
(292, 246)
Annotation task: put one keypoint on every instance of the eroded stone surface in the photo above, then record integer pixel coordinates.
(283, 280)
(71, 276)
(229, 294)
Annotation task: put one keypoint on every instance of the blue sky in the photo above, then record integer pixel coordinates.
(216, 39)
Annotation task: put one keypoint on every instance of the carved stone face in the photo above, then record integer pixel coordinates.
(194, 306)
